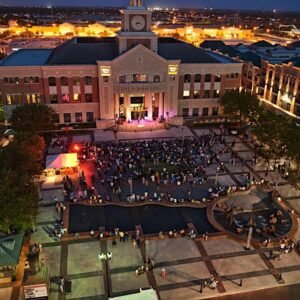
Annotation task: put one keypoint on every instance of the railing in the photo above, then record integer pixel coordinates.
(140, 87)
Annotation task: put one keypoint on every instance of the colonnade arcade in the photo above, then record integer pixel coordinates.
(140, 106)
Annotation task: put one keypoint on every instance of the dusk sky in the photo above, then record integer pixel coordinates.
(238, 4)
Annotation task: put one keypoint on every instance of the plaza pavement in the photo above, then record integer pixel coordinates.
(187, 262)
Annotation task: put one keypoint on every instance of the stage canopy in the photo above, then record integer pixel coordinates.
(149, 294)
(60, 161)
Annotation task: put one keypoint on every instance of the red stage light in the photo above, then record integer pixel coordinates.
(76, 147)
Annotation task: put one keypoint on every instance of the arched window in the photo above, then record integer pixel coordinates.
(63, 81)
(52, 81)
(207, 78)
(156, 78)
(187, 78)
(237, 75)
(270, 75)
(218, 78)
(197, 78)
(76, 81)
(122, 79)
(88, 80)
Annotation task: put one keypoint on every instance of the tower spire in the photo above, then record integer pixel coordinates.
(136, 3)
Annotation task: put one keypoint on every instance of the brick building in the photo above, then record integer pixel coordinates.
(133, 75)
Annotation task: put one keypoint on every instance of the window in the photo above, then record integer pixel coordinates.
(76, 81)
(139, 78)
(52, 81)
(13, 99)
(65, 98)
(53, 99)
(195, 112)
(31, 79)
(78, 117)
(90, 117)
(196, 94)
(77, 97)
(88, 80)
(237, 75)
(216, 94)
(55, 118)
(64, 81)
(218, 78)
(185, 112)
(33, 98)
(67, 118)
(186, 94)
(205, 112)
(207, 78)
(156, 78)
(197, 78)
(12, 80)
(206, 94)
(88, 97)
(187, 78)
(122, 79)
(172, 78)
(105, 78)
(215, 111)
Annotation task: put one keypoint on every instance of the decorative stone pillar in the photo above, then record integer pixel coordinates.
(117, 106)
(127, 107)
(160, 105)
(149, 106)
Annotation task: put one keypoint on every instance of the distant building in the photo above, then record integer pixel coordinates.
(270, 71)
(133, 75)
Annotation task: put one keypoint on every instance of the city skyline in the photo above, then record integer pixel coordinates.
(288, 5)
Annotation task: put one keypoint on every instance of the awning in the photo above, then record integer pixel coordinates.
(10, 249)
(63, 160)
(149, 294)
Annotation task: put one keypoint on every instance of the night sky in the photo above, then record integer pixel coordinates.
(236, 4)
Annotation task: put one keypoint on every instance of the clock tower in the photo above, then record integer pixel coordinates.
(136, 28)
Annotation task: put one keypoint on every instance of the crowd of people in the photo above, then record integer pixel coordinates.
(153, 170)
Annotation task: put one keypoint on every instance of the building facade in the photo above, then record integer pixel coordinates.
(133, 75)
(278, 85)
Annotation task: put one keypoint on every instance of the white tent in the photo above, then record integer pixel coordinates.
(60, 161)
(149, 294)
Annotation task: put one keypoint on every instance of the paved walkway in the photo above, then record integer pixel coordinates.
(187, 262)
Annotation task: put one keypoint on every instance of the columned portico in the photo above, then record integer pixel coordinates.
(147, 106)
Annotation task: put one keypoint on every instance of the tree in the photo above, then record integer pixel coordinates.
(32, 118)
(1, 113)
(292, 140)
(271, 129)
(242, 105)
(21, 160)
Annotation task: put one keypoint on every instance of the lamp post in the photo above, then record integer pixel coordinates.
(249, 238)
(216, 179)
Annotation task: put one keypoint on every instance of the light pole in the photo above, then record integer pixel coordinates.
(216, 179)
(249, 238)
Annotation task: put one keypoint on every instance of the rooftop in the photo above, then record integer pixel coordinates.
(10, 248)
(89, 50)
(262, 44)
(27, 57)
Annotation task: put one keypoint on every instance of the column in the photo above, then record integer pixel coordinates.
(149, 106)
(160, 105)
(127, 107)
(117, 106)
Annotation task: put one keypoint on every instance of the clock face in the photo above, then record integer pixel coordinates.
(138, 22)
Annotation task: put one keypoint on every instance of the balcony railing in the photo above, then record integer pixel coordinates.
(140, 87)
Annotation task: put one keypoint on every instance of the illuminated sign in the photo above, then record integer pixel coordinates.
(105, 70)
(172, 69)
